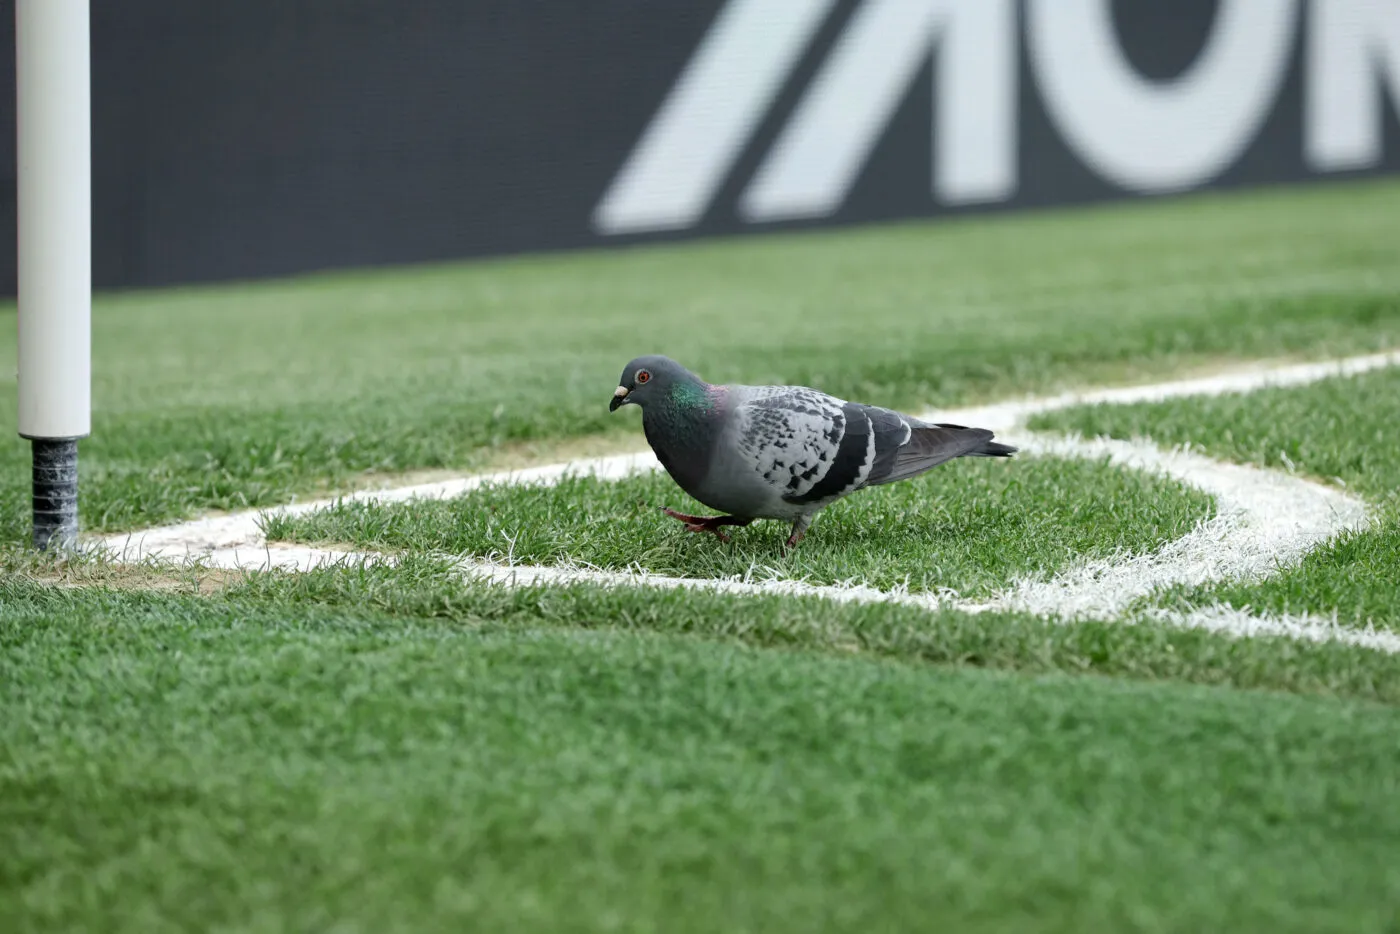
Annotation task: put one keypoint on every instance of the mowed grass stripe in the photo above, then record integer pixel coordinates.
(241, 396)
(1338, 430)
(967, 526)
(426, 592)
(421, 588)
(263, 760)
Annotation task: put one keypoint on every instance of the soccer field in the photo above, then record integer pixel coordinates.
(1143, 676)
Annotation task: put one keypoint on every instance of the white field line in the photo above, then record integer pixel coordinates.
(1250, 378)
(1265, 519)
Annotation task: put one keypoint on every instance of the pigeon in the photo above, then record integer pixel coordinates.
(779, 452)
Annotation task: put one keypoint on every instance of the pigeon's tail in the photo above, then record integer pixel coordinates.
(924, 446)
(993, 449)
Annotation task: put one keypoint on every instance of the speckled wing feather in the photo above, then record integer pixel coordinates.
(807, 445)
(814, 448)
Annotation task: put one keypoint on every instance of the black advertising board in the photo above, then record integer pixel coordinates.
(266, 137)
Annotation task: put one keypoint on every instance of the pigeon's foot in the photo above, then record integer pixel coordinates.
(711, 524)
(799, 531)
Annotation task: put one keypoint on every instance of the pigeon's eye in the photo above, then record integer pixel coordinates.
(642, 377)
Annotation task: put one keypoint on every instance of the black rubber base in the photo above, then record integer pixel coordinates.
(55, 493)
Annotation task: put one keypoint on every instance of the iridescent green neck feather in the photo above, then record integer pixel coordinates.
(687, 395)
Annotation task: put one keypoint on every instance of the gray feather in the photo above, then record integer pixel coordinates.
(788, 435)
(811, 447)
(931, 445)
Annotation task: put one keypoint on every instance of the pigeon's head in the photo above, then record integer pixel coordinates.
(649, 378)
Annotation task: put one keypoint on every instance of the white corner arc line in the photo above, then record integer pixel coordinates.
(1264, 519)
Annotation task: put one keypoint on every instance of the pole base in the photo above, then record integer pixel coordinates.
(55, 493)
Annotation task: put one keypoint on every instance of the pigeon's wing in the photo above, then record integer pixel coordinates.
(925, 446)
(796, 439)
(811, 447)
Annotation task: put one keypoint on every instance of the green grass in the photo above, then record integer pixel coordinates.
(238, 396)
(1339, 430)
(250, 764)
(395, 749)
(425, 587)
(967, 526)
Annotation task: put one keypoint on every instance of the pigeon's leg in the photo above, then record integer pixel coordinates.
(711, 524)
(799, 529)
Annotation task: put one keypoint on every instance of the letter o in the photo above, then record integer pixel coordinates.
(1157, 137)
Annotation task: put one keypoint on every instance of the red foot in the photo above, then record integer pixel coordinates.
(799, 531)
(711, 524)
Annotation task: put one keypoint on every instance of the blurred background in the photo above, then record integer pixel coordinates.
(267, 137)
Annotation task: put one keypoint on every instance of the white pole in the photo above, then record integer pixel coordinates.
(54, 161)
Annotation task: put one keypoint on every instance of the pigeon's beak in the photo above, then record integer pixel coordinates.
(620, 395)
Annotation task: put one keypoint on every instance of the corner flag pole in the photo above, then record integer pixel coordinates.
(54, 159)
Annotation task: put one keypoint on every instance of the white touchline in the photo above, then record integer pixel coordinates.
(1264, 519)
